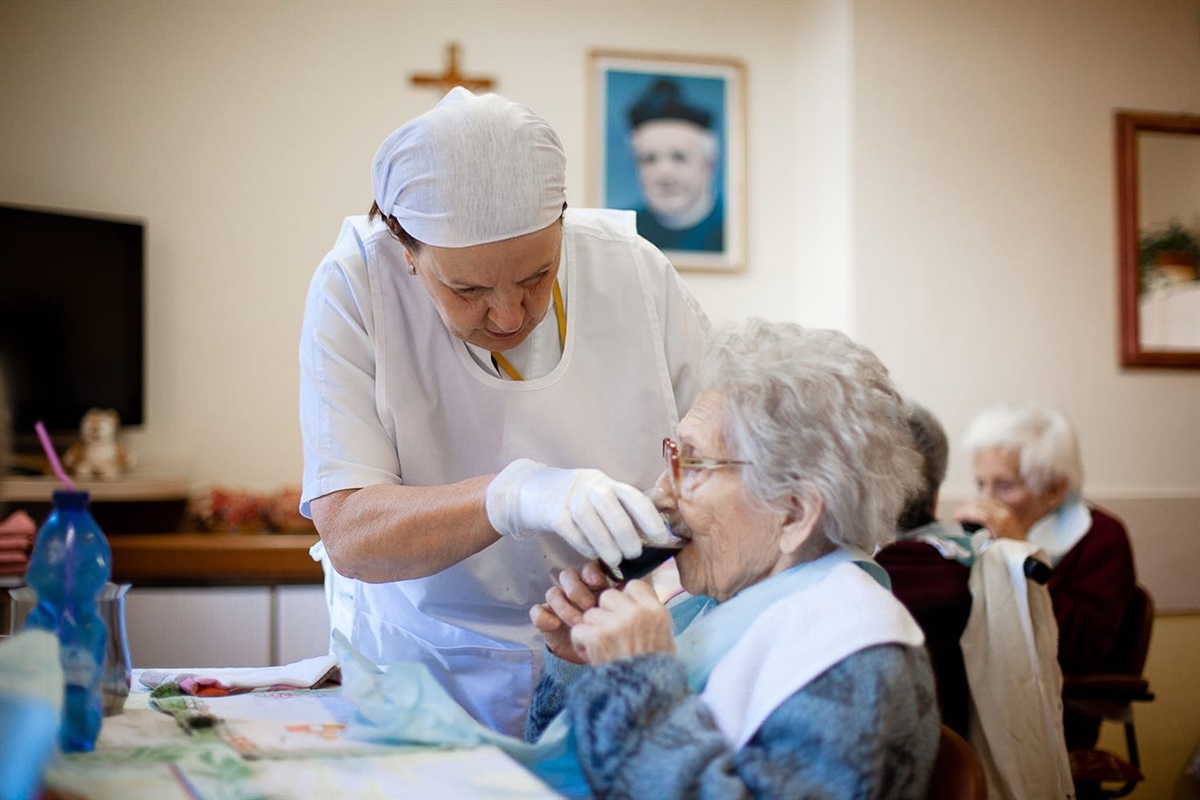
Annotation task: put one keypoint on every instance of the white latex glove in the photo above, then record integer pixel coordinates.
(596, 515)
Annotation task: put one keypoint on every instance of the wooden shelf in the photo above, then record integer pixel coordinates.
(214, 559)
(135, 487)
(140, 502)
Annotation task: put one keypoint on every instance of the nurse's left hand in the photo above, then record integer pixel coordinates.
(598, 516)
(626, 622)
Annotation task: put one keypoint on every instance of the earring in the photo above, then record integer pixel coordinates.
(412, 268)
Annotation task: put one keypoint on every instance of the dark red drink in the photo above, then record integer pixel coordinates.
(639, 567)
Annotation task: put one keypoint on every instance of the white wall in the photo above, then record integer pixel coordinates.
(934, 176)
(243, 133)
(958, 155)
(985, 243)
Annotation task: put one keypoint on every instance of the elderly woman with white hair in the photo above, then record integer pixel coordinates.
(484, 376)
(1029, 476)
(789, 671)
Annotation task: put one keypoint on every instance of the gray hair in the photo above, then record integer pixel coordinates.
(929, 438)
(1042, 438)
(816, 415)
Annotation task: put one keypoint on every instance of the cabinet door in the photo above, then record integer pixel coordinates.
(207, 627)
(303, 627)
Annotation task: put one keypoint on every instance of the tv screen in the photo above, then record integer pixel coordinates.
(72, 319)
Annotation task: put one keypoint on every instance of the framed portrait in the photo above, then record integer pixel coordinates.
(667, 138)
(1158, 231)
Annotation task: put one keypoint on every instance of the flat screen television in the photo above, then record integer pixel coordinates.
(72, 318)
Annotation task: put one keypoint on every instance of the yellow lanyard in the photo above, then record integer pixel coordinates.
(560, 314)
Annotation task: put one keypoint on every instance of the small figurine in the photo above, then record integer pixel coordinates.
(98, 454)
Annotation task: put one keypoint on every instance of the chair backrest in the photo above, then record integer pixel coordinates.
(934, 590)
(957, 772)
(1128, 656)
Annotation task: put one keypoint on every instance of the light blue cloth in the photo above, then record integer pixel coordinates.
(1061, 529)
(405, 705)
(950, 539)
(31, 699)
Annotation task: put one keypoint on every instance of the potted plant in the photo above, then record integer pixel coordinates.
(1168, 256)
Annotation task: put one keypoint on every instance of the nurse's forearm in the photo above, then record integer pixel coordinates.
(391, 533)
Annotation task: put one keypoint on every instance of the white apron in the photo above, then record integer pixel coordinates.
(607, 405)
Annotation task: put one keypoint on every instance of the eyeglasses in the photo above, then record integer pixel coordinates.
(676, 464)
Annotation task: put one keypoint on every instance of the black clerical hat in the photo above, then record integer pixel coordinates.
(663, 100)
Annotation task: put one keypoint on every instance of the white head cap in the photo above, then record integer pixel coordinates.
(473, 170)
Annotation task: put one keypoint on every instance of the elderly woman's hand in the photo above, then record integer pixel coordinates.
(564, 608)
(993, 515)
(626, 622)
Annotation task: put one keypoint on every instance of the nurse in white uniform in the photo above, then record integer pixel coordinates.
(485, 377)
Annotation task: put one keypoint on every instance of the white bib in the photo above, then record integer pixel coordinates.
(797, 639)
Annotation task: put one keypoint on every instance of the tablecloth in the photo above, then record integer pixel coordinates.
(273, 744)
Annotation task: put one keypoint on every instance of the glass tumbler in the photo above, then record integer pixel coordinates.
(652, 554)
(118, 667)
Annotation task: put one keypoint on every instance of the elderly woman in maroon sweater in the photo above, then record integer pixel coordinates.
(1029, 475)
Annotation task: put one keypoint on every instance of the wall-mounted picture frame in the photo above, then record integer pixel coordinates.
(1158, 232)
(667, 140)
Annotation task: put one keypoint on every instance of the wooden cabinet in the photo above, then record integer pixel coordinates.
(214, 559)
(221, 599)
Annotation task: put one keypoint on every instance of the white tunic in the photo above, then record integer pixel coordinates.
(388, 396)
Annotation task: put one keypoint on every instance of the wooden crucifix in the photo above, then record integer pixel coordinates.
(451, 77)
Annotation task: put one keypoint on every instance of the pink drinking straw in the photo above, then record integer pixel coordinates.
(53, 456)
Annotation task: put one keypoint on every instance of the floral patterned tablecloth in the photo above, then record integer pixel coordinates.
(270, 745)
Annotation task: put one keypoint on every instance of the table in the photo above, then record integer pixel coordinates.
(273, 744)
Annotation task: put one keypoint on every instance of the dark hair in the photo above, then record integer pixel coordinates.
(929, 440)
(404, 237)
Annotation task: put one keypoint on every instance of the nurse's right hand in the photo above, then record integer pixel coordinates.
(598, 516)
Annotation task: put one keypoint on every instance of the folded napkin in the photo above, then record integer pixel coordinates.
(220, 681)
(17, 532)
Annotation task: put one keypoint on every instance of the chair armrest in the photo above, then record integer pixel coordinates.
(1118, 688)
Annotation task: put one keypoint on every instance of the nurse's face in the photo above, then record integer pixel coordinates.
(492, 295)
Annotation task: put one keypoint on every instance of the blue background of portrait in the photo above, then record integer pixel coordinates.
(622, 89)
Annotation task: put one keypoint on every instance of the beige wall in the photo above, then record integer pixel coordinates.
(934, 177)
(1167, 733)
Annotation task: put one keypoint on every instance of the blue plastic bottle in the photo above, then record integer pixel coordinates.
(70, 564)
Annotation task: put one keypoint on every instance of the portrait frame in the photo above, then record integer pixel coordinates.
(617, 80)
(1158, 239)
